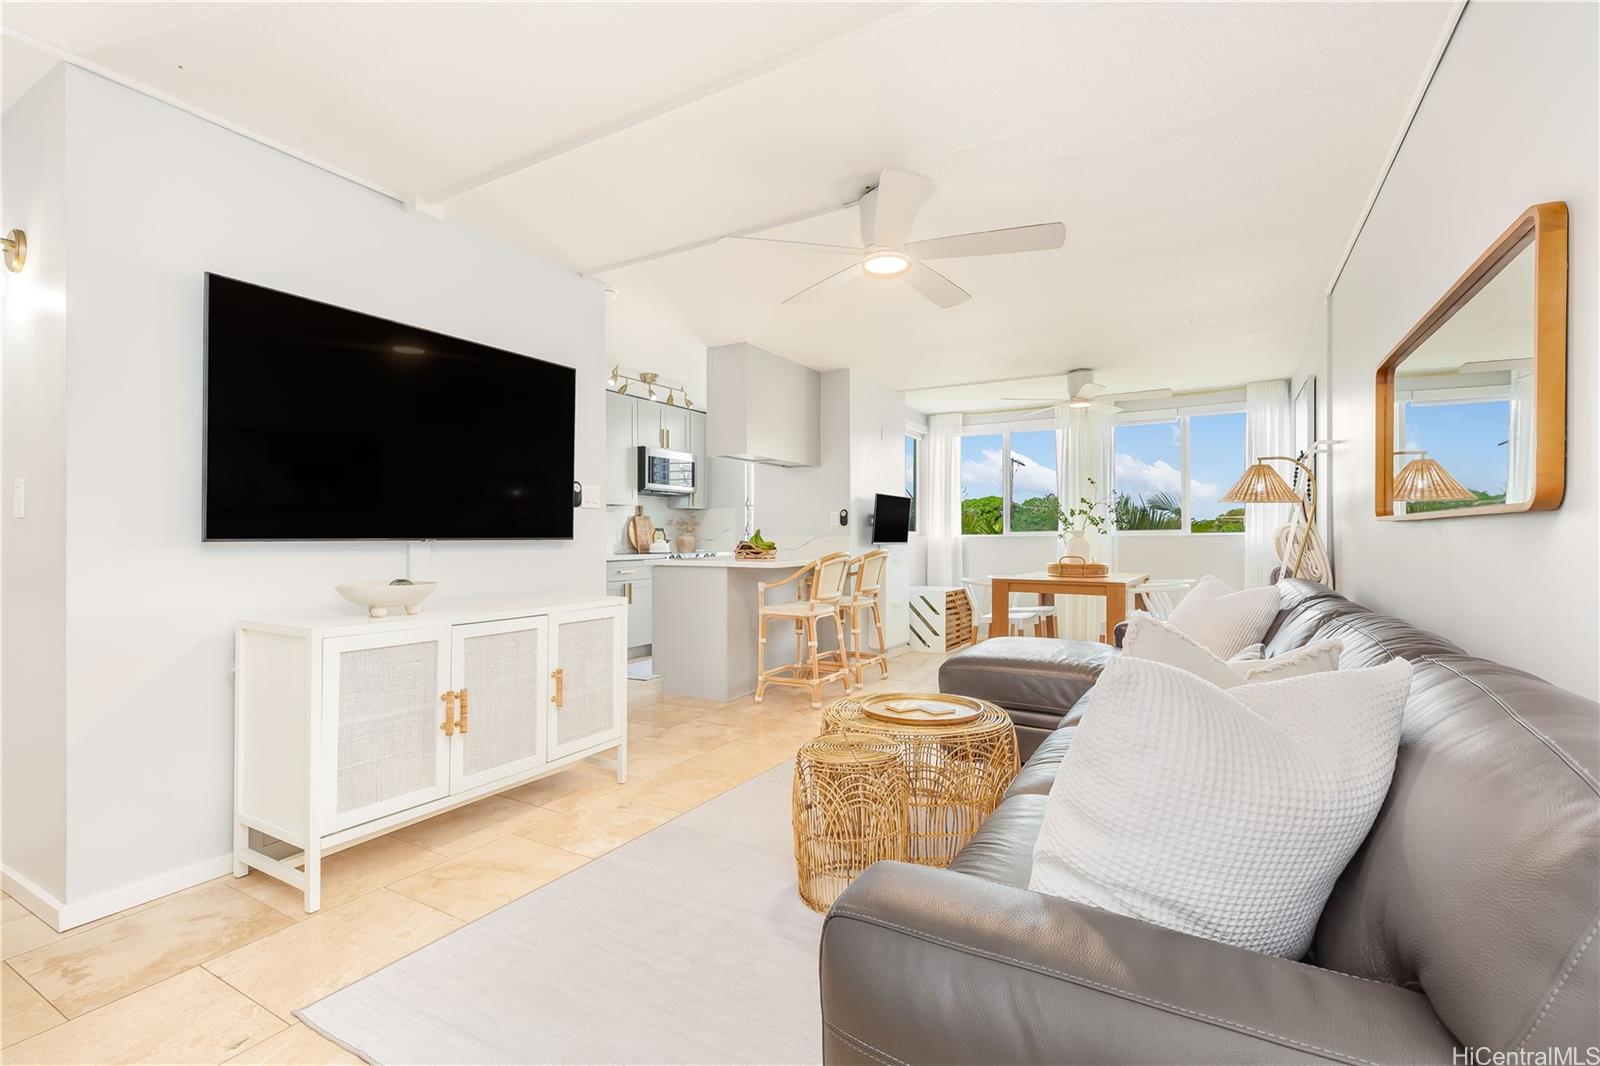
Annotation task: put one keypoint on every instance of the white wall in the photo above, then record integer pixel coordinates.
(643, 335)
(877, 464)
(1509, 120)
(805, 501)
(158, 197)
(33, 561)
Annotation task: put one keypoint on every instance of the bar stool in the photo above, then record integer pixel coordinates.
(826, 580)
(866, 594)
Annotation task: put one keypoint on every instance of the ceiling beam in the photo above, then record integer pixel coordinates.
(545, 155)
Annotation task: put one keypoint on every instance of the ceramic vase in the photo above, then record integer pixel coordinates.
(1075, 542)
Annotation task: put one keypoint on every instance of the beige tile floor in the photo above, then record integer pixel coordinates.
(213, 974)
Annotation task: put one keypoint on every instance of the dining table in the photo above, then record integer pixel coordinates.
(1114, 588)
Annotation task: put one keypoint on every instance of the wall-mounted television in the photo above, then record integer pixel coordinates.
(891, 519)
(327, 424)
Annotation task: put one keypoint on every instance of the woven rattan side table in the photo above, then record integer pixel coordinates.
(958, 771)
(850, 805)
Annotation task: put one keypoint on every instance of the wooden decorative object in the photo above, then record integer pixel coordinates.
(957, 772)
(1076, 566)
(851, 799)
(941, 618)
(1544, 227)
(641, 531)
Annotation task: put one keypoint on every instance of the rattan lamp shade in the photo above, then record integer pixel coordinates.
(1261, 484)
(1425, 479)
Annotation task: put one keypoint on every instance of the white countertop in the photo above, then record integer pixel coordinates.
(730, 563)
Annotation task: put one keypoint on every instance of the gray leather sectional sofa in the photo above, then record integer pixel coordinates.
(1470, 918)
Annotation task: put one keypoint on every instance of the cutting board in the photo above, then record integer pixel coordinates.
(640, 532)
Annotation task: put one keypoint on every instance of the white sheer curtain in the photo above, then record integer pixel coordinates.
(940, 510)
(1519, 443)
(1268, 430)
(1085, 450)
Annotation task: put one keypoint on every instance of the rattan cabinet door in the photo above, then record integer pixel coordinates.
(588, 701)
(501, 671)
(384, 747)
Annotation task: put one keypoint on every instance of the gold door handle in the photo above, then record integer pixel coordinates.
(627, 591)
(449, 724)
(559, 697)
(462, 696)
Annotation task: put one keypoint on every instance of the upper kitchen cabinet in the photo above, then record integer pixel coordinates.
(768, 409)
(622, 473)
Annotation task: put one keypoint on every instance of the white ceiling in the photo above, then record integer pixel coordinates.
(1209, 160)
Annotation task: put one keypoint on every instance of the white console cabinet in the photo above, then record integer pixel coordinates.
(347, 727)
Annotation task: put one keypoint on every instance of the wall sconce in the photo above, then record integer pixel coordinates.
(618, 382)
(15, 244)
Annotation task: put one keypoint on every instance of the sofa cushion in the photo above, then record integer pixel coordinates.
(1224, 813)
(1002, 849)
(1037, 674)
(1223, 620)
(1150, 638)
(1040, 772)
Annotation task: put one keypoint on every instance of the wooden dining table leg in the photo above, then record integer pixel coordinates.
(1048, 599)
(1116, 610)
(1000, 608)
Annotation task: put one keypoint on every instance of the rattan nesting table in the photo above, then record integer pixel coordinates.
(850, 805)
(957, 770)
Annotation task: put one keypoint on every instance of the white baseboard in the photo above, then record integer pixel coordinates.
(43, 905)
(63, 916)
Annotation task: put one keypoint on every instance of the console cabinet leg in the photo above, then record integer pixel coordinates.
(241, 842)
(313, 872)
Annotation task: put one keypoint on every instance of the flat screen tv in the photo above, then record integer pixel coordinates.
(328, 424)
(891, 519)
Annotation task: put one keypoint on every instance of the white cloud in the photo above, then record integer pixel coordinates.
(1028, 478)
(1135, 477)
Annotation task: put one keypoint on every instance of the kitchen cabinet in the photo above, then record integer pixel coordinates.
(622, 460)
(632, 580)
(695, 442)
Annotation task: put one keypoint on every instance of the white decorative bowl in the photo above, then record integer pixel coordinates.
(378, 596)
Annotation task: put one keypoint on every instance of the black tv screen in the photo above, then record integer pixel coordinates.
(328, 424)
(891, 519)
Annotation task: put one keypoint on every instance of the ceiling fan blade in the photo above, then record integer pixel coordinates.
(829, 283)
(1089, 390)
(935, 286)
(1036, 399)
(1040, 238)
(888, 210)
(804, 246)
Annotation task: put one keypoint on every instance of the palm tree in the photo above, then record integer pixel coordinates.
(1159, 510)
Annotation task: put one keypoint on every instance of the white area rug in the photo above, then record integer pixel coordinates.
(688, 944)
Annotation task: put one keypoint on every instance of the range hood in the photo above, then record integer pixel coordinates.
(766, 409)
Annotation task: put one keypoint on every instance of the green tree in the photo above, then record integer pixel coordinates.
(1159, 510)
(1038, 515)
(981, 515)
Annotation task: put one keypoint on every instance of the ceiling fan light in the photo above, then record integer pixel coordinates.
(886, 264)
(1080, 404)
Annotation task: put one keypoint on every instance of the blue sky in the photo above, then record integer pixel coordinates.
(1033, 454)
(1465, 437)
(1150, 460)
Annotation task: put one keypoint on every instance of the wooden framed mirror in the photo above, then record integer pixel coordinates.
(1472, 403)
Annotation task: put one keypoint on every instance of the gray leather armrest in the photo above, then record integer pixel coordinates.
(922, 965)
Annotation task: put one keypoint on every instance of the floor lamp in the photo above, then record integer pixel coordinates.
(1262, 484)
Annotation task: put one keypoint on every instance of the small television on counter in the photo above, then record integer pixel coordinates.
(891, 519)
(328, 424)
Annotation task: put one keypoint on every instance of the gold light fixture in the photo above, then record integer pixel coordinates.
(1260, 483)
(677, 395)
(15, 244)
(1426, 480)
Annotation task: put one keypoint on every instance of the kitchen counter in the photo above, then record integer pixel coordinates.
(705, 614)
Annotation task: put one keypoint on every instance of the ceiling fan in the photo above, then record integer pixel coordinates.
(1083, 391)
(887, 212)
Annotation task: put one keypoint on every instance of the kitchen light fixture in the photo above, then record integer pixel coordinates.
(676, 395)
(886, 263)
(15, 244)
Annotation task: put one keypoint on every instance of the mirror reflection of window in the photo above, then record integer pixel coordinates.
(1464, 399)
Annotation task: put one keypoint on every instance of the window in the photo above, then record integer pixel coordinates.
(1008, 481)
(1170, 471)
(1470, 439)
(1216, 459)
(912, 445)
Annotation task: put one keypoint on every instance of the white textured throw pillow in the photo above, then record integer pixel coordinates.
(1150, 638)
(1225, 814)
(1225, 622)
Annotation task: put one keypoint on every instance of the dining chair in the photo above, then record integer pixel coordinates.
(1158, 598)
(981, 593)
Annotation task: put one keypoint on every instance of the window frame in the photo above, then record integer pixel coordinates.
(1181, 415)
(1004, 429)
(917, 436)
